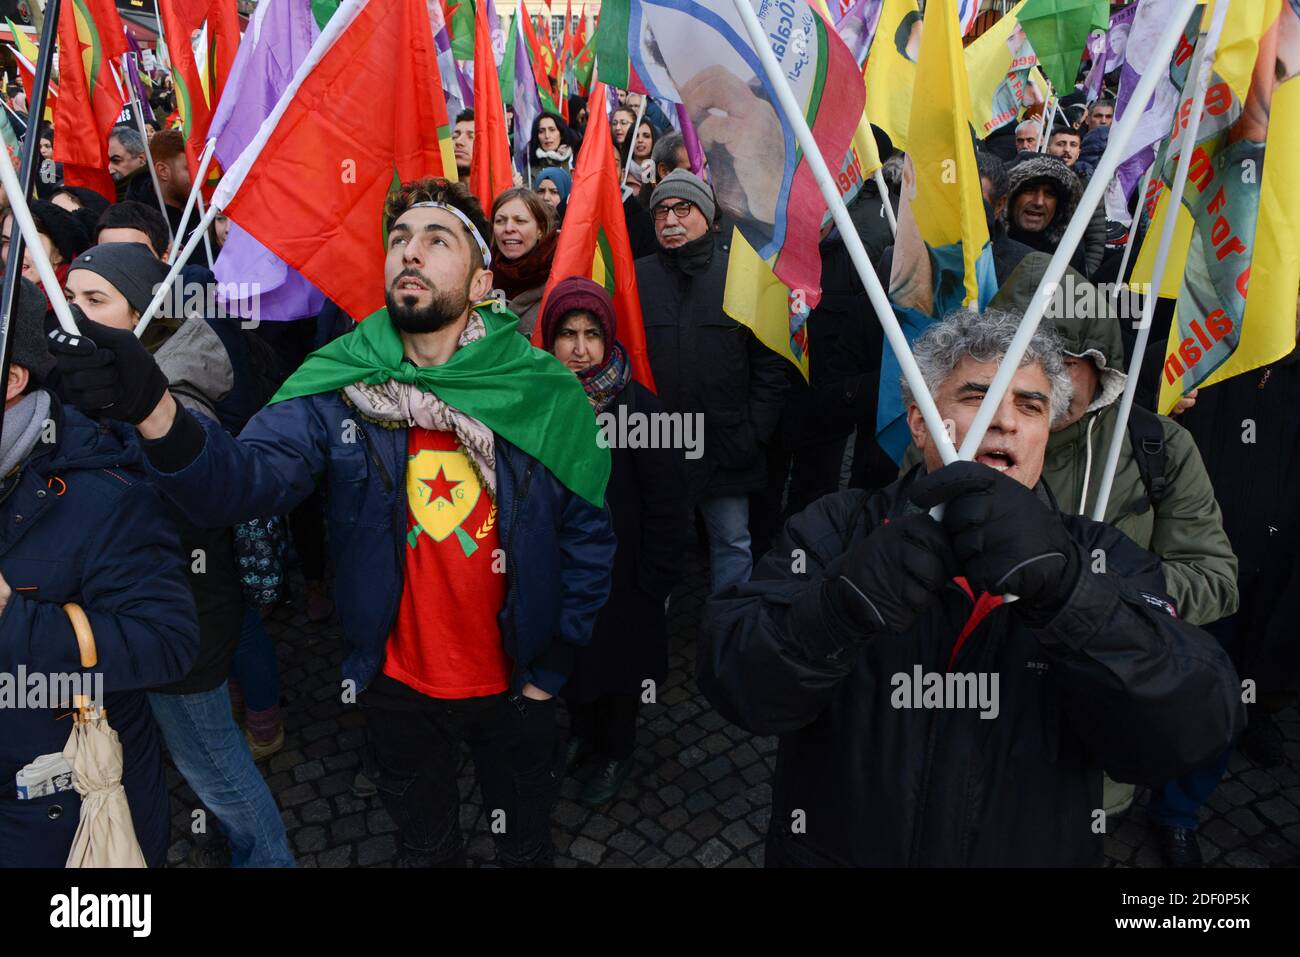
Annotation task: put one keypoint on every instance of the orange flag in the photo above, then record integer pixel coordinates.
(537, 58)
(90, 99)
(315, 193)
(181, 19)
(594, 239)
(490, 169)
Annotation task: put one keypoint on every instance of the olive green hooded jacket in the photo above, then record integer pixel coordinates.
(1186, 528)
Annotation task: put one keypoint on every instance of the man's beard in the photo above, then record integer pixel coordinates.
(443, 309)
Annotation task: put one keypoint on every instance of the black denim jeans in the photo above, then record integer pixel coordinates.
(415, 754)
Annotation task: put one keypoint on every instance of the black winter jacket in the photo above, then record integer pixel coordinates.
(706, 362)
(1114, 682)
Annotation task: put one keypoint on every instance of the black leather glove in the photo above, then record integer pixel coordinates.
(894, 574)
(1005, 538)
(106, 372)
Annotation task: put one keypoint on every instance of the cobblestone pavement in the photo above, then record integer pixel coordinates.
(700, 795)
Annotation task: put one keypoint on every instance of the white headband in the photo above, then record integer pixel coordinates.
(473, 230)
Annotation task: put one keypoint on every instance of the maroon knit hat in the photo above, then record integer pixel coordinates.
(577, 293)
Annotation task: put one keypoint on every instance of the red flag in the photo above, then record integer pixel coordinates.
(547, 51)
(536, 57)
(490, 169)
(90, 99)
(27, 74)
(315, 193)
(594, 239)
(181, 20)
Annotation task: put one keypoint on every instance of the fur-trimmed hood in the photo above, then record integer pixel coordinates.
(1042, 168)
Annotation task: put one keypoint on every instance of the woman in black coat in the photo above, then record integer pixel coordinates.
(628, 653)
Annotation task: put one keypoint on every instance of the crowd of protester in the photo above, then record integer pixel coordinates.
(827, 574)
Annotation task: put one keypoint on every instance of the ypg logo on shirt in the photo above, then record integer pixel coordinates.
(442, 491)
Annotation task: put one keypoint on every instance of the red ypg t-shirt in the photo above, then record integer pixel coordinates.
(446, 642)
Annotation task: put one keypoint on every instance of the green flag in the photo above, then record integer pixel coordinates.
(322, 10)
(1058, 31)
(611, 42)
(524, 395)
(506, 71)
(460, 25)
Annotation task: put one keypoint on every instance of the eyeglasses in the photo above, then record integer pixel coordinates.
(680, 210)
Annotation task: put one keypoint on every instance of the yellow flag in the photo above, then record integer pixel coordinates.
(891, 69)
(754, 297)
(942, 201)
(1241, 259)
(988, 61)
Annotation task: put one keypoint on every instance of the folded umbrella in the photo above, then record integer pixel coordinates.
(105, 835)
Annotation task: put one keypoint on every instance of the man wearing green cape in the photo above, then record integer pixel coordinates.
(464, 488)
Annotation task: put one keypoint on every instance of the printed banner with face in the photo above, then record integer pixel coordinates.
(699, 54)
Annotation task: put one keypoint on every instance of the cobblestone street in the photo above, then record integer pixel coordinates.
(700, 796)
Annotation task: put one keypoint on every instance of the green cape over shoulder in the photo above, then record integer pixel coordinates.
(521, 393)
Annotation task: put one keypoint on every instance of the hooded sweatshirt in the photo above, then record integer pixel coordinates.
(1185, 530)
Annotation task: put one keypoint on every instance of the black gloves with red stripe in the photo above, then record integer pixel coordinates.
(1005, 538)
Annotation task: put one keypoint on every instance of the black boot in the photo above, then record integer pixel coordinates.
(1262, 741)
(1178, 847)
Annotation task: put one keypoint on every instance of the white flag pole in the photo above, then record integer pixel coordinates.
(879, 177)
(163, 287)
(233, 178)
(138, 114)
(1201, 71)
(631, 137)
(32, 246)
(1120, 135)
(1132, 236)
(852, 242)
(207, 243)
(204, 161)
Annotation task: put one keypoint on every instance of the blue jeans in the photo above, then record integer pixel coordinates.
(210, 751)
(730, 558)
(1176, 803)
(254, 665)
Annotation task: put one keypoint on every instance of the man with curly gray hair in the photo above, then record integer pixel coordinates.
(926, 718)
(958, 359)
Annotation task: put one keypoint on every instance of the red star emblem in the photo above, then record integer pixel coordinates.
(440, 486)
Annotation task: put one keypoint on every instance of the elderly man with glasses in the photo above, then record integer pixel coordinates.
(708, 365)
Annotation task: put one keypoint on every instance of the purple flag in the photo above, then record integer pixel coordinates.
(133, 75)
(1108, 52)
(276, 41)
(1157, 118)
(528, 103)
(855, 22)
(691, 140)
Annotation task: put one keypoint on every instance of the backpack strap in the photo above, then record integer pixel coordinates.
(1147, 436)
